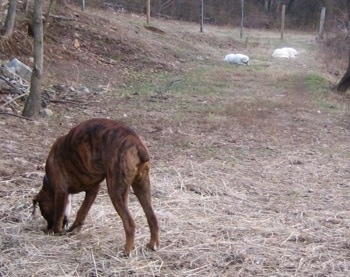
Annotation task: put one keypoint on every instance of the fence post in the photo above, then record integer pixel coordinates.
(148, 10)
(242, 16)
(322, 18)
(201, 16)
(282, 20)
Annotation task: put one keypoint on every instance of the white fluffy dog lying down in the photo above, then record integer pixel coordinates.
(286, 52)
(237, 59)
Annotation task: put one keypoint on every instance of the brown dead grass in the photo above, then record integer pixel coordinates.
(250, 164)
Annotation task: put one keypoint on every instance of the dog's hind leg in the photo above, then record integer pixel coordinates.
(142, 190)
(118, 188)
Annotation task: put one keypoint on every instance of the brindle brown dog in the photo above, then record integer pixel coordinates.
(95, 150)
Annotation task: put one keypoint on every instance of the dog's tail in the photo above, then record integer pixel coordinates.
(143, 154)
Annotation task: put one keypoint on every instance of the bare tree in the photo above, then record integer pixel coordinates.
(266, 6)
(33, 103)
(289, 6)
(242, 18)
(26, 6)
(47, 15)
(201, 16)
(10, 19)
(148, 11)
(344, 83)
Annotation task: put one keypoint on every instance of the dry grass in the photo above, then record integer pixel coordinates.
(250, 169)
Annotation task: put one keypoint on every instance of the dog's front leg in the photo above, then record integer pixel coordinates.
(90, 197)
(60, 206)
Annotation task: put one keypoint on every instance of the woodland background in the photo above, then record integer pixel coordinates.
(300, 14)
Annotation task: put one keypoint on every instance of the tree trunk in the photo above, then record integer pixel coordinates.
(266, 6)
(10, 19)
(289, 6)
(344, 83)
(348, 11)
(242, 18)
(33, 103)
(24, 6)
(148, 11)
(201, 16)
(47, 15)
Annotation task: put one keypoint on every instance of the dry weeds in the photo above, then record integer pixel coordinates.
(250, 171)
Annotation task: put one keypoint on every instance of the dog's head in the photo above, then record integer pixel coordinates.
(46, 201)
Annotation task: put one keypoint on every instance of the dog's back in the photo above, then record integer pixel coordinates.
(90, 148)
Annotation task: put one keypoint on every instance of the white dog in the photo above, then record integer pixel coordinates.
(286, 52)
(237, 59)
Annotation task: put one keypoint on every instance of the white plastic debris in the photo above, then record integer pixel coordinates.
(20, 69)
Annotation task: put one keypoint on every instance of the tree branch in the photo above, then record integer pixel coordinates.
(15, 115)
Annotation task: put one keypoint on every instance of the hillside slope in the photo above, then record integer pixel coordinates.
(113, 47)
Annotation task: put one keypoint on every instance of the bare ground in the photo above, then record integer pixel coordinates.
(250, 174)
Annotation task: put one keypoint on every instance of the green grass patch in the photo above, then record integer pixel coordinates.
(315, 82)
(321, 93)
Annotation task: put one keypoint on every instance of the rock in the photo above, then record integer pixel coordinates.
(84, 89)
(76, 44)
(46, 112)
(59, 87)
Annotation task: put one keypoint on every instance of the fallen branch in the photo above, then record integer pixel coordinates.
(76, 102)
(168, 85)
(13, 99)
(8, 82)
(64, 101)
(106, 62)
(164, 16)
(62, 17)
(157, 129)
(18, 90)
(15, 115)
(99, 59)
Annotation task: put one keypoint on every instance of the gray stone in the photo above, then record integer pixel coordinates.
(46, 112)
